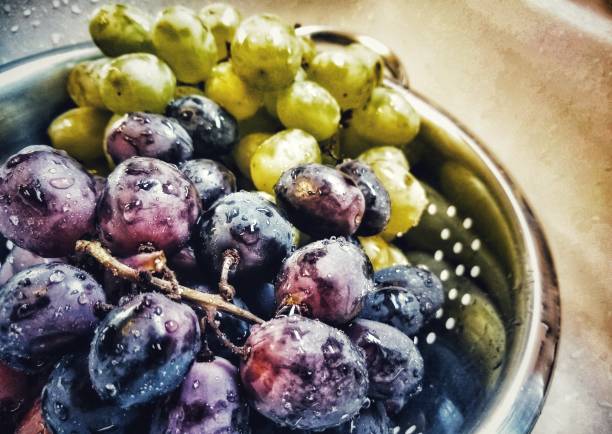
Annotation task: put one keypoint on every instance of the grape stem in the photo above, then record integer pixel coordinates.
(231, 258)
(209, 301)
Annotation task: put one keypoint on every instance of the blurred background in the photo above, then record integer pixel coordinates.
(533, 80)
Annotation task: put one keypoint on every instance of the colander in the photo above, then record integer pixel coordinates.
(491, 349)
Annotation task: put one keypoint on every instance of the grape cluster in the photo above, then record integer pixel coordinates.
(215, 168)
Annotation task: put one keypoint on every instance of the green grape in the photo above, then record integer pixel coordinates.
(397, 257)
(260, 122)
(227, 89)
(181, 39)
(121, 29)
(345, 75)
(408, 198)
(80, 132)
(308, 106)
(182, 91)
(84, 83)
(270, 98)
(222, 20)
(244, 150)
(266, 52)
(387, 119)
(137, 82)
(107, 130)
(279, 153)
(373, 60)
(352, 144)
(384, 154)
(309, 50)
(377, 250)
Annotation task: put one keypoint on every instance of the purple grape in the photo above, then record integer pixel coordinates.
(320, 200)
(213, 130)
(147, 201)
(303, 374)
(46, 310)
(377, 200)
(99, 184)
(14, 396)
(19, 259)
(371, 420)
(395, 366)
(48, 201)
(143, 349)
(209, 401)
(212, 179)
(330, 278)
(71, 406)
(260, 299)
(148, 135)
(425, 286)
(185, 265)
(250, 225)
(395, 306)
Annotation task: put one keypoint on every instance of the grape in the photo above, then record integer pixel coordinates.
(143, 349)
(120, 29)
(377, 250)
(84, 83)
(308, 106)
(213, 130)
(384, 154)
(320, 200)
(395, 366)
(265, 52)
(260, 122)
(371, 420)
(137, 82)
(182, 91)
(227, 89)
(270, 98)
(222, 20)
(181, 40)
(303, 374)
(14, 396)
(147, 201)
(70, 405)
(309, 50)
(244, 151)
(33, 422)
(212, 180)
(395, 306)
(370, 58)
(19, 259)
(425, 286)
(387, 119)
(148, 135)
(345, 75)
(260, 299)
(48, 201)
(396, 256)
(185, 265)
(377, 201)
(250, 225)
(46, 310)
(331, 278)
(351, 143)
(279, 153)
(99, 185)
(208, 401)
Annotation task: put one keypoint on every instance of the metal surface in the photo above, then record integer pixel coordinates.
(32, 92)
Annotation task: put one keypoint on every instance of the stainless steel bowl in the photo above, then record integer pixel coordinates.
(506, 329)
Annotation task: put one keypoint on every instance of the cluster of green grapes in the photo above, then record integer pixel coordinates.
(290, 100)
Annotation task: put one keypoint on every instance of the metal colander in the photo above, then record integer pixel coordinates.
(491, 348)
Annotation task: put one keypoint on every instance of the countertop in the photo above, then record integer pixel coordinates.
(533, 80)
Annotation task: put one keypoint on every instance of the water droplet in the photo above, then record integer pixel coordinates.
(62, 183)
(15, 28)
(196, 384)
(111, 388)
(82, 299)
(158, 310)
(57, 276)
(171, 326)
(14, 219)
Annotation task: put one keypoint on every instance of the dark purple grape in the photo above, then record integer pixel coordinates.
(214, 131)
(395, 306)
(377, 200)
(14, 396)
(330, 278)
(250, 225)
(48, 201)
(371, 420)
(303, 374)
(148, 135)
(71, 406)
(209, 401)
(261, 424)
(19, 259)
(143, 349)
(99, 184)
(212, 179)
(320, 200)
(395, 366)
(147, 201)
(425, 286)
(185, 265)
(45, 311)
(260, 299)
